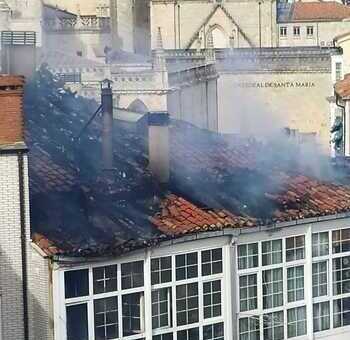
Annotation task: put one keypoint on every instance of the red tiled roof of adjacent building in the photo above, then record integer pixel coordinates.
(342, 87)
(319, 11)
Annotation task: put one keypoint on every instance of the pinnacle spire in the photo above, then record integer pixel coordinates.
(210, 40)
(159, 39)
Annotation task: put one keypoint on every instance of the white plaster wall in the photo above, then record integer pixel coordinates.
(324, 33)
(41, 323)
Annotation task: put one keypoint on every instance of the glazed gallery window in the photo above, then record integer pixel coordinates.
(271, 252)
(211, 262)
(161, 308)
(187, 309)
(273, 326)
(341, 241)
(320, 244)
(272, 283)
(186, 266)
(295, 248)
(341, 312)
(213, 332)
(295, 283)
(319, 279)
(321, 316)
(132, 275)
(188, 334)
(341, 275)
(106, 318)
(105, 279)
(76, 283)
(168, 336)
(249, 328)
(161, 270)
(77, 322)
(248, 292)
(131, 304)
(212, 299)
(248, 256)
(296, 322)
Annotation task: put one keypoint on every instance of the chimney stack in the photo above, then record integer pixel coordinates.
(107, 118)
(11, 110)
(158, 140)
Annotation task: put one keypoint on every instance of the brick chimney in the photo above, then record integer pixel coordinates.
(158, 148)
(11, 111)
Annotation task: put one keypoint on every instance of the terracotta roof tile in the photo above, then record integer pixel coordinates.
(342, 87)
(320, 10)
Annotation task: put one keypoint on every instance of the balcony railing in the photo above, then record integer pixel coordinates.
(82, 23)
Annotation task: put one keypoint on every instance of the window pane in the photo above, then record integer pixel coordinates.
(319, 279)
(341, 275)
(161, 270)
(186, 266)
(106, 318)
(247, 256)
(214, 332)
(188, 334)
(212, 299)
(76, 283)
(295, 248)
(248, 292)
(161, 308)
(295, 283)
(273, 324)
(249, 328)
(131, 314)
(105, 279)
(187, 310)
(132, 275)
(272, 288)
(321, 316)
(341, 312)
(211, 261)
(341, 240)
(271, 252)
(77, 322)
(296, 322)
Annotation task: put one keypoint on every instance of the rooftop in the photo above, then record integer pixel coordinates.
(217, 181)
(342, 87)
(317, 11)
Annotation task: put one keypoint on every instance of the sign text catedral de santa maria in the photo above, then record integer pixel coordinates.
(281, 84)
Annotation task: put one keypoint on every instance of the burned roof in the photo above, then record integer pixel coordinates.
(216, 181)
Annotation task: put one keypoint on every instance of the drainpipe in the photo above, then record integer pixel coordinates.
(179, 25)
(175, 3)
(342, 107)
(23, 244)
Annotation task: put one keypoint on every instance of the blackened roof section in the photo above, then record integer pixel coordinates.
(216, 181)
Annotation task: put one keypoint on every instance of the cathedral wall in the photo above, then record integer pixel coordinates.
(249, 103)
(180, 23)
